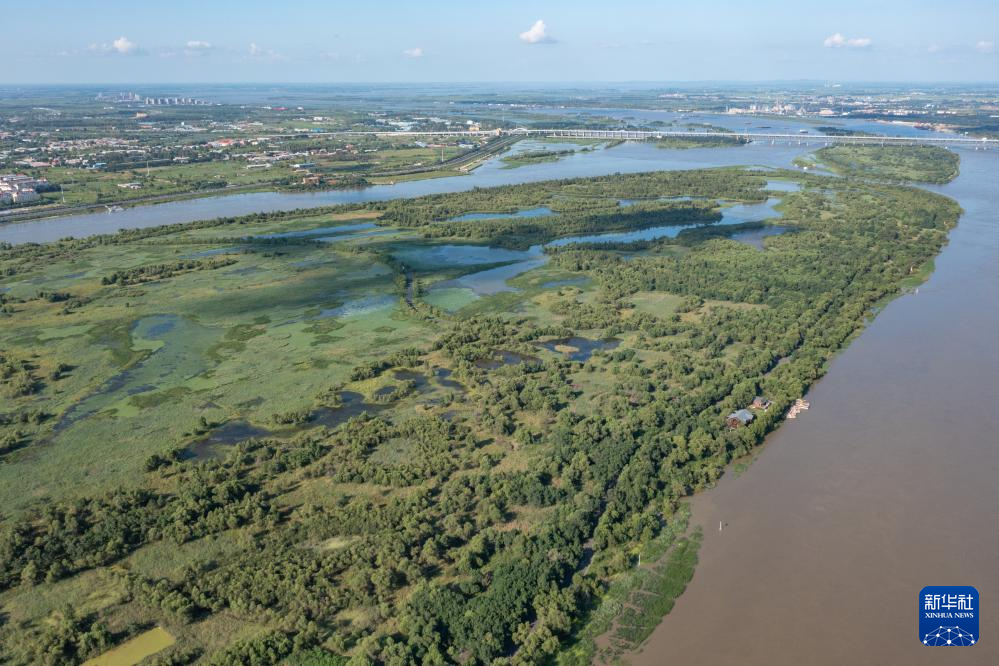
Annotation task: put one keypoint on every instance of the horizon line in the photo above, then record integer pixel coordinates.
(520, 82)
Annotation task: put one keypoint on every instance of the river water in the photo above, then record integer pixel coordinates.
(625, 158)
(888, 484)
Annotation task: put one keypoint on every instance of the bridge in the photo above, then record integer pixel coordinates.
(735, 137)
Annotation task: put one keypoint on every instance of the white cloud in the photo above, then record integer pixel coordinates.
(537, 34)
(197, 47)
(985, 46)
(415, 52)
(267, 55)
(838, 41)
(124, 46)
(933, 48)
(120, 46)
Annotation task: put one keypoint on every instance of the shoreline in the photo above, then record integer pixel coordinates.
(792, 540)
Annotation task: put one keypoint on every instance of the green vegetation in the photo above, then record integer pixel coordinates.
(660, 587)
(286, 449)
(832, 130)
(688, 142)
(534, 157)
(924, 164)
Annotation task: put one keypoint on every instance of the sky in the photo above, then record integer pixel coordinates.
(217, 41)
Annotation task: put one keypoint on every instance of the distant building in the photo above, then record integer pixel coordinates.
(24, 196)
(20, 188)
(760, 402)
(739, 418)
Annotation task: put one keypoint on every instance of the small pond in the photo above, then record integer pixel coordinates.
(755, 237)
(578, 348)
(212, 446)
(443, 378)
(501, 358)
(352, 404)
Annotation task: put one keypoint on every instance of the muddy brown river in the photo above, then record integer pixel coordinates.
(889, 483)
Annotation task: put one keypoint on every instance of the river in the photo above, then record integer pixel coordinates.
(888, 484)
(625, 158)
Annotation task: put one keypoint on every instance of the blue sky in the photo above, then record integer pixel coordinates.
(432, 40)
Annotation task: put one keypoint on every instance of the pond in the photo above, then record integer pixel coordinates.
(443, 378)
(494, 280)
(418, 378)
(213, 445)
(462, 290)
(578, 348)
(502, 357)
(352, 404)
(734, 214)
(755, 237)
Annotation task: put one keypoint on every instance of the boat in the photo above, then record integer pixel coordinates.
(799, 406)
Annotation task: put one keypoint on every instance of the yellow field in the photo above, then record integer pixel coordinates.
(135, 650)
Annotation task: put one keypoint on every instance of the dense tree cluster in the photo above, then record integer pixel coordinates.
(141, 274)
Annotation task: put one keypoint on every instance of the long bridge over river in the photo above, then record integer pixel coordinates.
(644, 135)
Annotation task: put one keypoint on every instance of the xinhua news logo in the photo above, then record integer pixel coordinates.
(948, 615)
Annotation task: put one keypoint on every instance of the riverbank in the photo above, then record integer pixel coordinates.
(45, 211)
(847, 512)
(456, 166)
